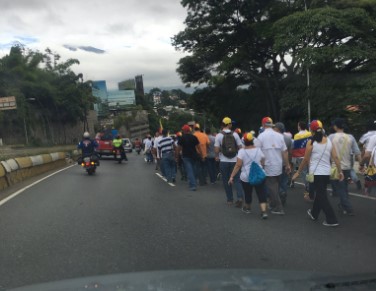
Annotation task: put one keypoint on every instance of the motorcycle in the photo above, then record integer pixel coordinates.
(118, 155)
(89, 164)
(138, 149)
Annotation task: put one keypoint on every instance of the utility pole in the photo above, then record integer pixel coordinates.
(308, 81)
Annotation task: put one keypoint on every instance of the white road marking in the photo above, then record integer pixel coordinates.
(350, 193)
(164, 179)
(5, 200)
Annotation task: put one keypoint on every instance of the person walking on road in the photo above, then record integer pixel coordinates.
(345, 145)
(284, 178)
(226, 146)
(319, 152)
(274, 148)
(187, 146)
(245, 157)
(166, 149)
(201, 163)
(369, 158)
(148, 146)
(299, 147)
(210, 158)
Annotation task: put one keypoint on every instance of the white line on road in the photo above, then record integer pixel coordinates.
(164, 179)
(350, 193)
(5, 200)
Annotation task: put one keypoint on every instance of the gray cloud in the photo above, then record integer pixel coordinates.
(135, 35)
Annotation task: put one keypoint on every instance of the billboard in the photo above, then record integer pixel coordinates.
(121, 98)
(8, 103)
(127, 85)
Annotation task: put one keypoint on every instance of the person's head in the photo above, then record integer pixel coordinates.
(227, 122)
(86, 135)
(197, 127)
(267, 122)
(207, 131)
(248, 139)
(118, 136)
(164, 132)
(238, 131)
(317, 130)
(186, 128)
(371, 125)
(339, 124)
(279, 127)
(157, 134)
(302, 125)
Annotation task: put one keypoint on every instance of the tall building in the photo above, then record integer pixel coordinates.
(139, 85)
(117, 99)
(127, 85)
(99, 90)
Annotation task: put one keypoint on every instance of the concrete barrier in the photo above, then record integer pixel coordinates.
(13, 171)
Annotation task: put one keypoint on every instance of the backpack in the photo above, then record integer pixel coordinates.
(229, 147)
(256, 173)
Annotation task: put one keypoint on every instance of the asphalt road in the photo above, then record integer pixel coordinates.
(126, 219)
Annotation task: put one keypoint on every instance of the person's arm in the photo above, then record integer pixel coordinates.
(236, 169)
(307, 157)
(216, 147)
(285, 156)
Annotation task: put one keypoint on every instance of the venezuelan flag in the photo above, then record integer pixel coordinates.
(300, 143)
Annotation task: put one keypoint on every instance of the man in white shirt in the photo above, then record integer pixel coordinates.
(159, 165)
(227, 160)
(370, 152)
(274, 148)
(345, 144)
(147, 149)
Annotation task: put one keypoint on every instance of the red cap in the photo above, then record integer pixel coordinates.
(315, 125)
(186, 128)
(267, 121)
(248, 136)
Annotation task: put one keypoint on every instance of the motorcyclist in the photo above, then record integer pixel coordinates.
(137, 145)
(117, 144)
(87, 147)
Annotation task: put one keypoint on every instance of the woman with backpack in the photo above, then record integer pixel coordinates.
(246, 156)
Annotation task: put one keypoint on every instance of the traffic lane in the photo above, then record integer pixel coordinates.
(133, 221)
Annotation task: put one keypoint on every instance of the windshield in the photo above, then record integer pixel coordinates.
(256, 129)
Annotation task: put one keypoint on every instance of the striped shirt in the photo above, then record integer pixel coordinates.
(166, 145)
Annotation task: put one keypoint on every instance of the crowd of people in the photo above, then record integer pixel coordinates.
(317, 157)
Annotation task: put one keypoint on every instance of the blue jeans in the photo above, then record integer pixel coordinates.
(168, 163)
(283, 181)
(189, 165)
(226, 170)
(343, 191)
(201, 170)
(149, 157)
(211, 169)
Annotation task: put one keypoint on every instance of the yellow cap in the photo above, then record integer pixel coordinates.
(226, 120)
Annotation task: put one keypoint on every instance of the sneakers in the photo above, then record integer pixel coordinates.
(264, 215)
(309, 212)
(278, 212)
(246, 210)
(349, 213)
(330, 224)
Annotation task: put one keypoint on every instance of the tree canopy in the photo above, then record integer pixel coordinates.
(263, 48)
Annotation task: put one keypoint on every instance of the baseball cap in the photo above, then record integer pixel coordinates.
(186, 128)
(248, 136)
(267, 121)
(226, 120)
(197, 125)
(238, 130)
(315, 125)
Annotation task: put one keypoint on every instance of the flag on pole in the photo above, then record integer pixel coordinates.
(160, 126)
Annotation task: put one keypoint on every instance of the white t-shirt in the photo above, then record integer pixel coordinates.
(156, 141)
(248, 156)
(345, 144)
(272, 145)
(364, 139)
(371, 145)
(218, 143)
(147, 143)
(317, 166)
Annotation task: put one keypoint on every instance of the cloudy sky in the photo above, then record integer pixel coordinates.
(135, 35)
